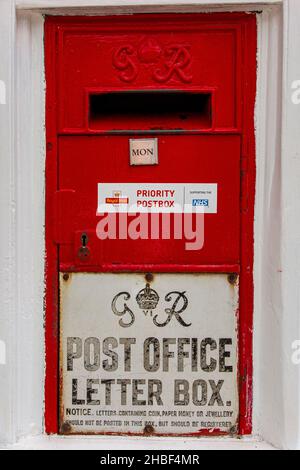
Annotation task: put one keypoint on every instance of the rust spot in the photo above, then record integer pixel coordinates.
(66, 277)
(232, 278)
(149, 277)
(66, 428)
(149, 430)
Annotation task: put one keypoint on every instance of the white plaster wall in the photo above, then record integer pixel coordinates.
(7, 217)
(290, 203)
(30, 164)
(268, 399)
(277, 229)
(22, 223)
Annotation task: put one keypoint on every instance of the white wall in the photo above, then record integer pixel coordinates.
(277, 240)
(277, 225)
(290, 204)
(268, 398)
(7, 217)
(30, 165)
(22, 223)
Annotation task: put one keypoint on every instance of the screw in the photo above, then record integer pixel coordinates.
(233, 431)
(149, 430)
(149, 277)
(232, 278)
(66, 277)
(66, 428)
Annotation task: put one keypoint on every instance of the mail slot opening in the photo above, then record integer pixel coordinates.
(150, 111)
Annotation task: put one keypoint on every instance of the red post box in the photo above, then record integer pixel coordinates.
(150, 198)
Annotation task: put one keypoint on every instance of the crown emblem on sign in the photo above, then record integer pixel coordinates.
(149, 51)
(147, 299)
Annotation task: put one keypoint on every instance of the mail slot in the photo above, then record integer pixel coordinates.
(150, 111)
(150, 193)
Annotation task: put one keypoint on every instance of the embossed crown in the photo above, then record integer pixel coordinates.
(147, 298)
(149, 51)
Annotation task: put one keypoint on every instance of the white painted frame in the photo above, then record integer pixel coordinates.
(277, 231)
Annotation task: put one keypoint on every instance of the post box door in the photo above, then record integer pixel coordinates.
(150, 188)
(101, 167)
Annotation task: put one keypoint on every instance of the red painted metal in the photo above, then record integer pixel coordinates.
(51, 261)
(248, 177)
(156, 268)
(213, 55)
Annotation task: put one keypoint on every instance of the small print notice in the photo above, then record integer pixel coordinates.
(148, 356)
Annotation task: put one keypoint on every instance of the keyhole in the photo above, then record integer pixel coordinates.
(84, 251)
(84, 239)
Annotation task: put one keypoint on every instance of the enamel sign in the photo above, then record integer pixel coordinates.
(143, 151)
(148, 355)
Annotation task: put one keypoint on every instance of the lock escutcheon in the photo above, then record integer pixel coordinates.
(84, 251)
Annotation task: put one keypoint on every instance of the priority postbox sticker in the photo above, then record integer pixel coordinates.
(157, 197)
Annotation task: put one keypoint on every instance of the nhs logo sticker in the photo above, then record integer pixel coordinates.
(202, 196)
(200, 203)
